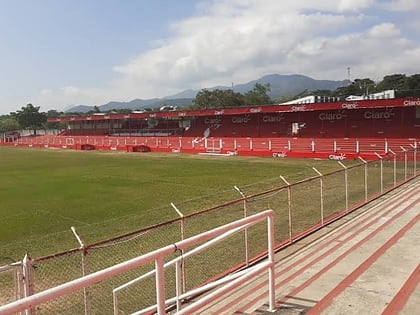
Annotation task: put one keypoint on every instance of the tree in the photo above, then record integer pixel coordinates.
(357, 87)
(8, 123)
(217, 99)
(393, 82)
(29, 117)
(412, 86)
(258, 95)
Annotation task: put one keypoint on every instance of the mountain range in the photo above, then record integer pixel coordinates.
(281, 86)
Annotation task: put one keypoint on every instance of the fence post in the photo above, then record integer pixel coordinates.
(366, 177)
(84, 268)
(395, 166)
(182, 251)
(405, 162)
(28, 285)
(322, 193)
(289, 206)
(382, 171)
(245, 215)
(346, 185)
(414, 158)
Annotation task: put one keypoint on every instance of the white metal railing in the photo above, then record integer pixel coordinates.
(353, 145)
(158, 257)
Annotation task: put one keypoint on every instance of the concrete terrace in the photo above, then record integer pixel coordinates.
(366, 263)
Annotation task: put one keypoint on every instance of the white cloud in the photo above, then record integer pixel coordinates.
(384, 30)
(403, 5)
(240, 40)
(222, 47)
(353, 5)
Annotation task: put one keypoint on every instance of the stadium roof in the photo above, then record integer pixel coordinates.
(268, 109)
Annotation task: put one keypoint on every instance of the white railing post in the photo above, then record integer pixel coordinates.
(271, 259)
(366, 177)
(178, 287)
(346, 185)
(246, 230)
(382, 171)
(289, 207)
(289, 145)
(414, 159)
(321, 193)
(395, 166)
(405, 162)
(160, 285)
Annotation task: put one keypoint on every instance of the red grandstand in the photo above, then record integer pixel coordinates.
(325, 130)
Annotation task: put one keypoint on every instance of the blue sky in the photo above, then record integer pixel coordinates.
(55, 53)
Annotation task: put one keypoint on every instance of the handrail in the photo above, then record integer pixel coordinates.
(157, 256)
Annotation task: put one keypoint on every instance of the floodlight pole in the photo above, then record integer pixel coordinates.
(84, 268)
(289, 204)
(245, 215)
(366, 177)
(180, 290)
(346, 184)
(321, 181)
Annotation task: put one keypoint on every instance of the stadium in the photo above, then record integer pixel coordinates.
(174, 266)
(312, 127)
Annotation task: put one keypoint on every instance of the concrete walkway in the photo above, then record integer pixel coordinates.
(366, 263)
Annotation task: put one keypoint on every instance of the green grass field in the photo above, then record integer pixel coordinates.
(44, 192)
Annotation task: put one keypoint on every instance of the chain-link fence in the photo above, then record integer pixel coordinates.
(299, 208)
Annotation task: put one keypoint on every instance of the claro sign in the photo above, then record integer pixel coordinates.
(378, 115)
(412, 102)
(350, 105)
(332, 116)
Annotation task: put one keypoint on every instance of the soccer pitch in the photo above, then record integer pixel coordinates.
(43, 192)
